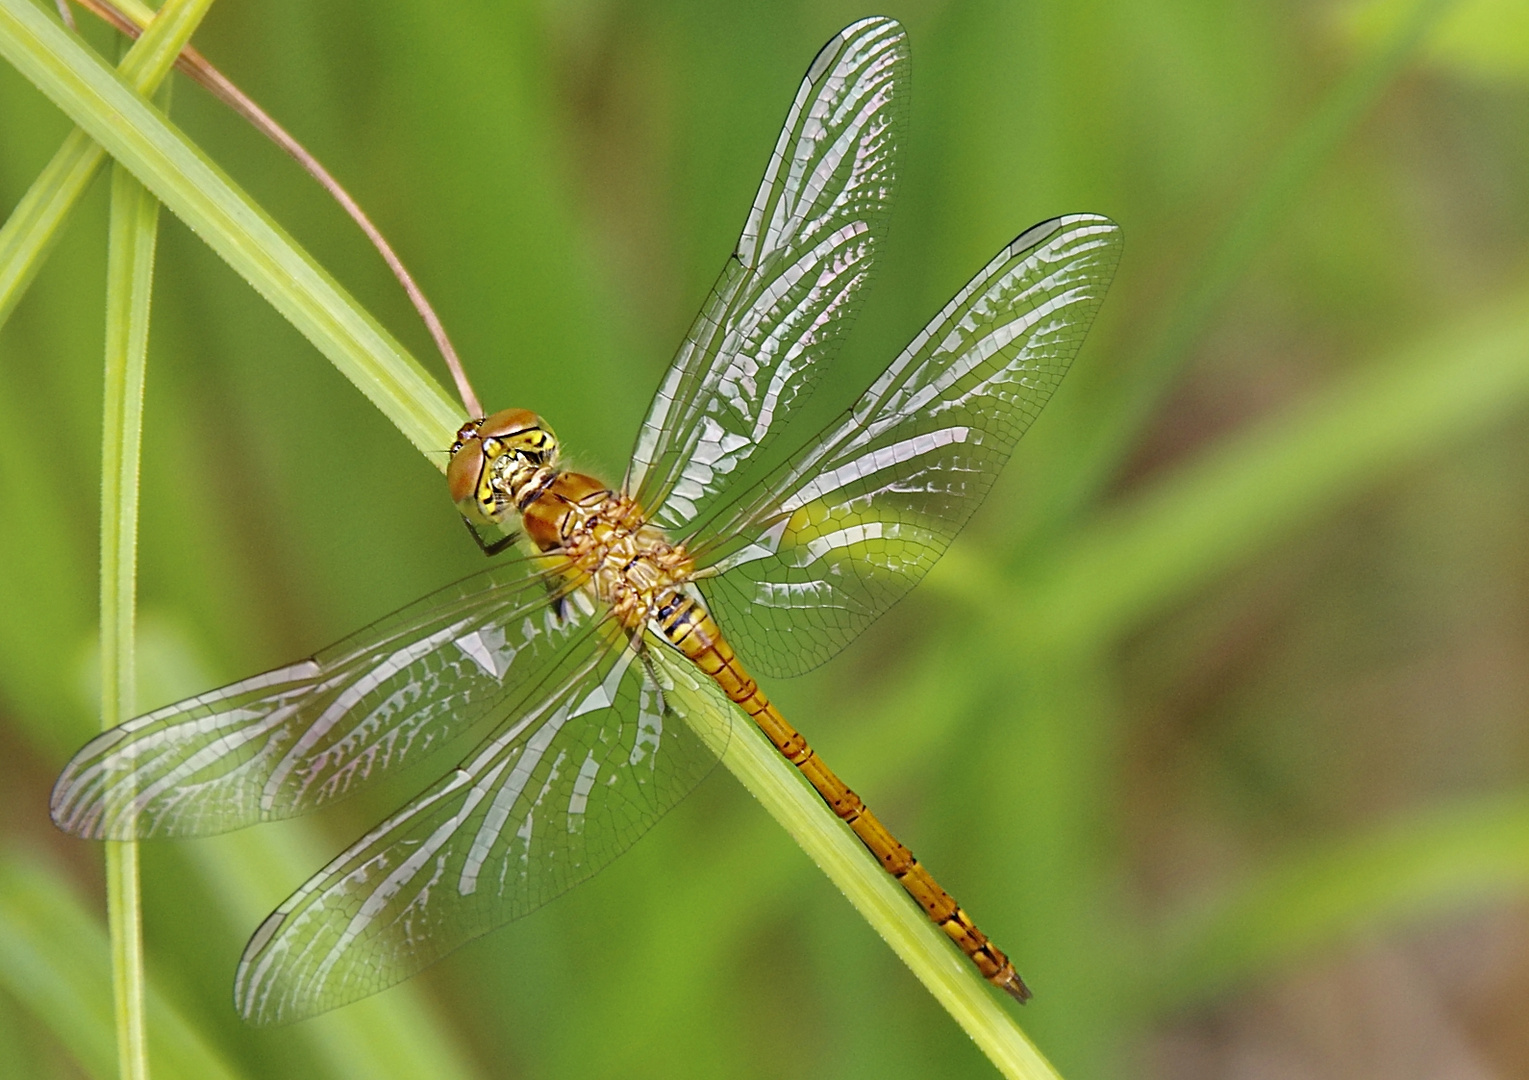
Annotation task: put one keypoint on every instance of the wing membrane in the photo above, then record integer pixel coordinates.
(791, 289)
(542, 805)
(858, 517)
(293, 739)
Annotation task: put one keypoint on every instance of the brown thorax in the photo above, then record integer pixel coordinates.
(507, 463)
(630, 564)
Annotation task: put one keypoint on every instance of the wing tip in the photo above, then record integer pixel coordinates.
(71, 807)
(253, 1007)
(59, 798)
(1036, 235)
(829, 53)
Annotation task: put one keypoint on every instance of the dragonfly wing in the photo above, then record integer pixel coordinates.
(792, 287)
(287, 741)
(852, 522)
(540, 806)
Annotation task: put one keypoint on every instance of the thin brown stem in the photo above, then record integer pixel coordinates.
(195, 65)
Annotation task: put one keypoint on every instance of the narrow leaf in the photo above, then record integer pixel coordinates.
(788, 798)
(38, 219)
(204, 197)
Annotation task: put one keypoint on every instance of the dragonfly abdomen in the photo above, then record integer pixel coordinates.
(688, 626)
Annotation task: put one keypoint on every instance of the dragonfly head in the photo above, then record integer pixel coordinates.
(492, 458)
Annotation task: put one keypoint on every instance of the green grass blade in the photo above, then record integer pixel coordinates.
(1251, 492)
(34, 225)
(397, 1035)
(1445, 859)
(788, 798)
(200, 194)
(129, 290)
(1255, 489)
(54, 960)
(1242, 499)
(1135, 399)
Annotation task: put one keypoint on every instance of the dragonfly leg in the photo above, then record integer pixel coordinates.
(489, 547)
(557, 599)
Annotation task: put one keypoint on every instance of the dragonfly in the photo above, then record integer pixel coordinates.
(709, 564)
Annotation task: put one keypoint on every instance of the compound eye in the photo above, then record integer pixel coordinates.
(463, 471)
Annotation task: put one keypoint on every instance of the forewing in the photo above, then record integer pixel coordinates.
(848, 526)
(792, 287)
(543, 804)
(293, 739)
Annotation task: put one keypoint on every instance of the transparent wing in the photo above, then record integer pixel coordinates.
(541, 805)
(791, 289)
(293, 739)
(853, 521)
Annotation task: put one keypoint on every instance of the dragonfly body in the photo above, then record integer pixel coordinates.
(505, 465)
(573, 658)
(504, 472)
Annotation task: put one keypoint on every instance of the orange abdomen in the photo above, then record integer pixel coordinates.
(689, 627)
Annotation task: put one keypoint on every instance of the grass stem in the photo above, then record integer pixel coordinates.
(38, 219)
(979, 1008)
(129, 285)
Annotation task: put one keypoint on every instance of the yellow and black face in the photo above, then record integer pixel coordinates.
(492, 457)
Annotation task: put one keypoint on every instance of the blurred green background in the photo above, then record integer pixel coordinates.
(1215, 716)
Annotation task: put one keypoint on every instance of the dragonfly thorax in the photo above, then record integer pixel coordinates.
(628, 563)
(499, 463)
(506, 464)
